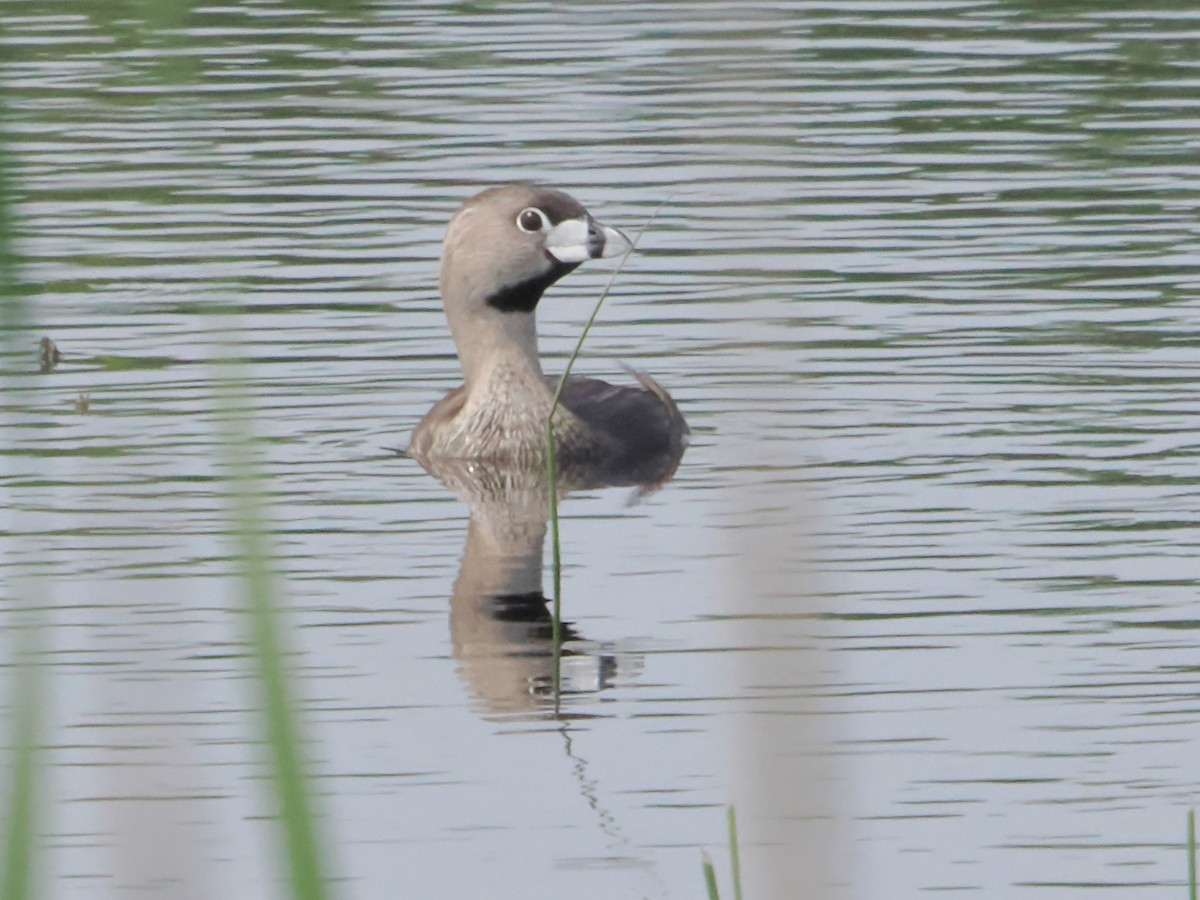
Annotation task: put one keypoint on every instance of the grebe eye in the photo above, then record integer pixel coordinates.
(532, 220)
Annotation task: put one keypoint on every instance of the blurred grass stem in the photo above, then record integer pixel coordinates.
(710, 876)
(292, 785)
(26, 706)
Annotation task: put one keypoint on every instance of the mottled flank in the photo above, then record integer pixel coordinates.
(504, 419)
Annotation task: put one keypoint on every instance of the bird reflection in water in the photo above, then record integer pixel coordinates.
(501, 626)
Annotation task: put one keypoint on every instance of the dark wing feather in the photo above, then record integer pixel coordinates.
(642, 427)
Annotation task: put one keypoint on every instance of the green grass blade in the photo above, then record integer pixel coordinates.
(552, 464)
(14, 310)
(292, 785)
(735, 856)
(20, 840)
(710, 877)
(1191, 851)
(556, 567)
(25, 707)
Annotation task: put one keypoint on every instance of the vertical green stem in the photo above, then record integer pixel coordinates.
(552, 466)
(556, 609)
(735, 856)
(26, 706)
(287, 764)
(1191, 851)
(20, 839)
(710, 877)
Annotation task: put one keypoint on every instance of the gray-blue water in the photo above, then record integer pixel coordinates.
(921, 599)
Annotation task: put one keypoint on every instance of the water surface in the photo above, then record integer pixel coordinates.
(921, 597)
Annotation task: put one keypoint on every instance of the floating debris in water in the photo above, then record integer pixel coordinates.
(49, 355)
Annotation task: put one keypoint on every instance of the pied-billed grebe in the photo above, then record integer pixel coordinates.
(502, 250)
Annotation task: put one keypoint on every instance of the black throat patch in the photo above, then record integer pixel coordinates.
(523, 296)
